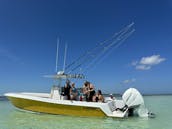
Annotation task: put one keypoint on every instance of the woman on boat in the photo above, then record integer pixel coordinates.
(73, 92)
(91, 92)
(100, 96)
(95, 98)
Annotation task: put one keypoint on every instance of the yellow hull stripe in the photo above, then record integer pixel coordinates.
(51, 108)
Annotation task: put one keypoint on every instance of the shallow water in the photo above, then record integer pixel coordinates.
(11, 118)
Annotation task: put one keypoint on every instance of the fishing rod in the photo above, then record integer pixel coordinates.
(114, 42)
(103, 55)
(103, 45)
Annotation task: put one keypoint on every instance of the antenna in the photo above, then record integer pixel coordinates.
(64, 64)
(57, 53)
(60, 74)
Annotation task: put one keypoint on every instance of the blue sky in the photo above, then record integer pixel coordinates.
(29, 31)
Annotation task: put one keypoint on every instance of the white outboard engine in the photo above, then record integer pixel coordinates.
(135, 103)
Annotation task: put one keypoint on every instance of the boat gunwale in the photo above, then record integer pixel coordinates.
(55, 101)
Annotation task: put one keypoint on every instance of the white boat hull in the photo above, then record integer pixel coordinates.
(54, 103)
(41, 102)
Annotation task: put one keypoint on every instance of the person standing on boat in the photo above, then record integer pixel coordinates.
(67, 88)
(91, 92)
(86, 90)
(73, 92)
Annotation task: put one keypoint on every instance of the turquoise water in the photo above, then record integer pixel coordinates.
(10, 118)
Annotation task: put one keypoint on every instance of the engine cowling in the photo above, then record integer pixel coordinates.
(132, 98)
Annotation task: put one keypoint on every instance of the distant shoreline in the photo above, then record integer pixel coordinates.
(157, 94)
(118, 95)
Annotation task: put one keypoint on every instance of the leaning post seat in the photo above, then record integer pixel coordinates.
(55, 94)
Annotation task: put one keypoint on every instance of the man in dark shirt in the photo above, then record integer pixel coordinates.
(67, 89)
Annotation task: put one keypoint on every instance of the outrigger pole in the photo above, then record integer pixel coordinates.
(103, 55)
(57, 53)
(102, 48)
(65, 53)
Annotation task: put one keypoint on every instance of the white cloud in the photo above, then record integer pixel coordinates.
(134, 63)
(152, 60)
(146, 63)
(143, 67)
(128, 81)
